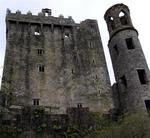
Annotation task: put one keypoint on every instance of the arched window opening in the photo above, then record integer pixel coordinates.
(37, 31)
(111, 18)
(112, 24)
(147, 104)
(123, 18)
(66, 35)
(121, 14)
(46, 14)
(123, 80)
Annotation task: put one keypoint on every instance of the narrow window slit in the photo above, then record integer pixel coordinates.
(147, 104)
(123, 18)
(123, 80)
(112, 24)
(72, 71)
(93, 61)
(116, 49)
(142, 76)
(90, 44)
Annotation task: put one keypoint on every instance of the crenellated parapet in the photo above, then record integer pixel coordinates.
(43, 17)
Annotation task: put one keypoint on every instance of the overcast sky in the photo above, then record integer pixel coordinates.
(81, 10)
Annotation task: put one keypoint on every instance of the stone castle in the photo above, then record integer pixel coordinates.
(56, 63)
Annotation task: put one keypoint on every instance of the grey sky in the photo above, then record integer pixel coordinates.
(81, 10)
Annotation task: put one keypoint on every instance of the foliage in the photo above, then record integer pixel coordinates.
(9, 132)
(128, 126)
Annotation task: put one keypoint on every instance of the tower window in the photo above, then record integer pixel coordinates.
(41, 68)
(111, 20)
(46, 14)
(75, 59)
(66, 35)
(99, 91)
(37, 31)
(121, 14)
(147, 104)
(116, 49)
(123, 80)
(122, 17)
(72, 71)
(36, 101)
(90, 44)
(93, 61)
(40, 51)
(129, 42)
(142, 76)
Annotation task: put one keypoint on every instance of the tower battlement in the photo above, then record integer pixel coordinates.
(44, 17)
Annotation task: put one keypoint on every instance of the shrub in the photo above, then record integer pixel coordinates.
(128, 126)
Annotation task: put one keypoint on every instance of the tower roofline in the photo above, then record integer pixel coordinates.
(114, 7)
(118, 18)
(40, 18)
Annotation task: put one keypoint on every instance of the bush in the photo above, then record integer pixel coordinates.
(9, 132)
(128, 126)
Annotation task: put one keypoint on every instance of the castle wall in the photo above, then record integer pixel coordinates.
(56, 63)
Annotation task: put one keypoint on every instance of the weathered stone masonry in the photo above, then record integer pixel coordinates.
(55, 62)
(132, 88)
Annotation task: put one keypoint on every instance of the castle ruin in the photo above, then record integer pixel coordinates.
(56, 63)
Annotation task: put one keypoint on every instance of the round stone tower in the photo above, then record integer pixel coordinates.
(132, 87)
